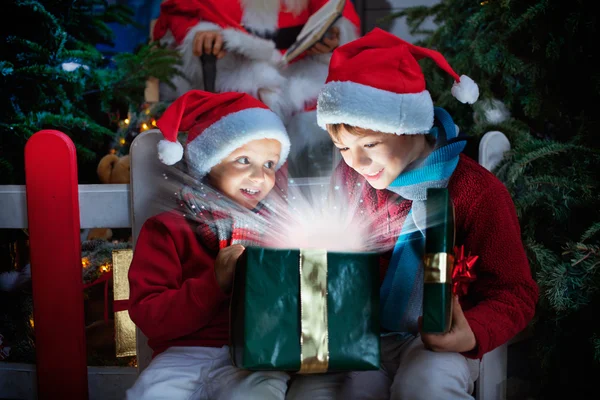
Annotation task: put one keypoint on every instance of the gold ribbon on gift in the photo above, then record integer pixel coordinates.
(314, 341)
(438, 267)
(124, 326)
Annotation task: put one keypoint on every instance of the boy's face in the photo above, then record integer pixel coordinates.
(248, 174)
(379, 157)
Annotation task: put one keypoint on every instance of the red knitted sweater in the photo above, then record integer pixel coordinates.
(174, 295)
(502, 300)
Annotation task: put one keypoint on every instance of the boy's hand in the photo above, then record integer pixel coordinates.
(328, 44)
(459, 339)
(225, 265)
(209, 42)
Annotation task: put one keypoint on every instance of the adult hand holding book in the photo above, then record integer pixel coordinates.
(318, 36)
(329, 42)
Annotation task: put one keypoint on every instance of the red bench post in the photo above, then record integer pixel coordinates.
(56, 271)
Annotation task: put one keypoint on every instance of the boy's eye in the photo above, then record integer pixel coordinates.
(243, 160)
(269, 165)
(370, 145)
(342, 148)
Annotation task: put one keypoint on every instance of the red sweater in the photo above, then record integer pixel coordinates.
(502, 300)
(174, 295)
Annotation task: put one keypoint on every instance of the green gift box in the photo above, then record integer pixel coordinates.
(305, 311)
(438, 261)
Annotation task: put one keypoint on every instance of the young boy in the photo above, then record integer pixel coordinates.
(380, 116)
(182, 271)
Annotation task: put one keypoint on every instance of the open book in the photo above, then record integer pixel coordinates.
(315, 28)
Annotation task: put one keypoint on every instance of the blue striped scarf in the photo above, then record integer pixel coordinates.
(402, 287)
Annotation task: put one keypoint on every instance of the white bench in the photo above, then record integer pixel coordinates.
(145, 167)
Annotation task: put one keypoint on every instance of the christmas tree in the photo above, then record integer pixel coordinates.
(139, 119)
(53, 76)
(538, 58)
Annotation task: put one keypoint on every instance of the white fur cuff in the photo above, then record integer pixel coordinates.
(252, 47)
(202, 27)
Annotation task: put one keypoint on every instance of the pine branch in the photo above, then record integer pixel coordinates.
(31, 51)
(519, 165)
(5, 166)
(86, 55)
(68, 122)
(120, 14)
(591, 232)
(84, 153)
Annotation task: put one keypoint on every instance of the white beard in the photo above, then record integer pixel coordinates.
(271, 7)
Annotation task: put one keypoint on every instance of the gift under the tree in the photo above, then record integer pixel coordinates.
(305, 311)
(447, 271)
(125, 331)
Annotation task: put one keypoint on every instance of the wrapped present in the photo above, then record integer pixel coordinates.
(438, 261)
(124, 327)
(305, 311)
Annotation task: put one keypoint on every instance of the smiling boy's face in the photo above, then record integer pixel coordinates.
(379, 157)
(247, 175)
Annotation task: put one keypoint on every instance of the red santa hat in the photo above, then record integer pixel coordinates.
(217, 124)
(376, 83)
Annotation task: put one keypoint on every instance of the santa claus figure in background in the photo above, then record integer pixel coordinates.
(248, 38)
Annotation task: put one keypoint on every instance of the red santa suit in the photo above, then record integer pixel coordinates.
(256, 33)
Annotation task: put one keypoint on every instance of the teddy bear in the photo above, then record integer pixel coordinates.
(114, 169)
(111, 169)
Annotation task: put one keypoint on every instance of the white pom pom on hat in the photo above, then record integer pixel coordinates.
(170, 152)
(466, 90)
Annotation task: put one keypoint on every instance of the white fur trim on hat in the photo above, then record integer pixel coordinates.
(169, 152)
(465, 91)
(231, 132)
(375, 109)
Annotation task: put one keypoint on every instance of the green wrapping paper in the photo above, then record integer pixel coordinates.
(272, 323)
(438, 262)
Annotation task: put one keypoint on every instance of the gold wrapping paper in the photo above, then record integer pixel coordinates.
(314, 343)
(438, 267)
(124, 326)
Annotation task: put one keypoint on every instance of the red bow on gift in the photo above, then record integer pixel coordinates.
(462, 274)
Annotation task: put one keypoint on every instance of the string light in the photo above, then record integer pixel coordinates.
(153, 122)
(126, 121)
(85, 262)
(122, 141)
(31, 322)
(104, 268)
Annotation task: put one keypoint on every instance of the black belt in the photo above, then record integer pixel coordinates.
(283, 37)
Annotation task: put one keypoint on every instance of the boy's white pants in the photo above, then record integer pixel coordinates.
(411, 372)
(207, 373)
